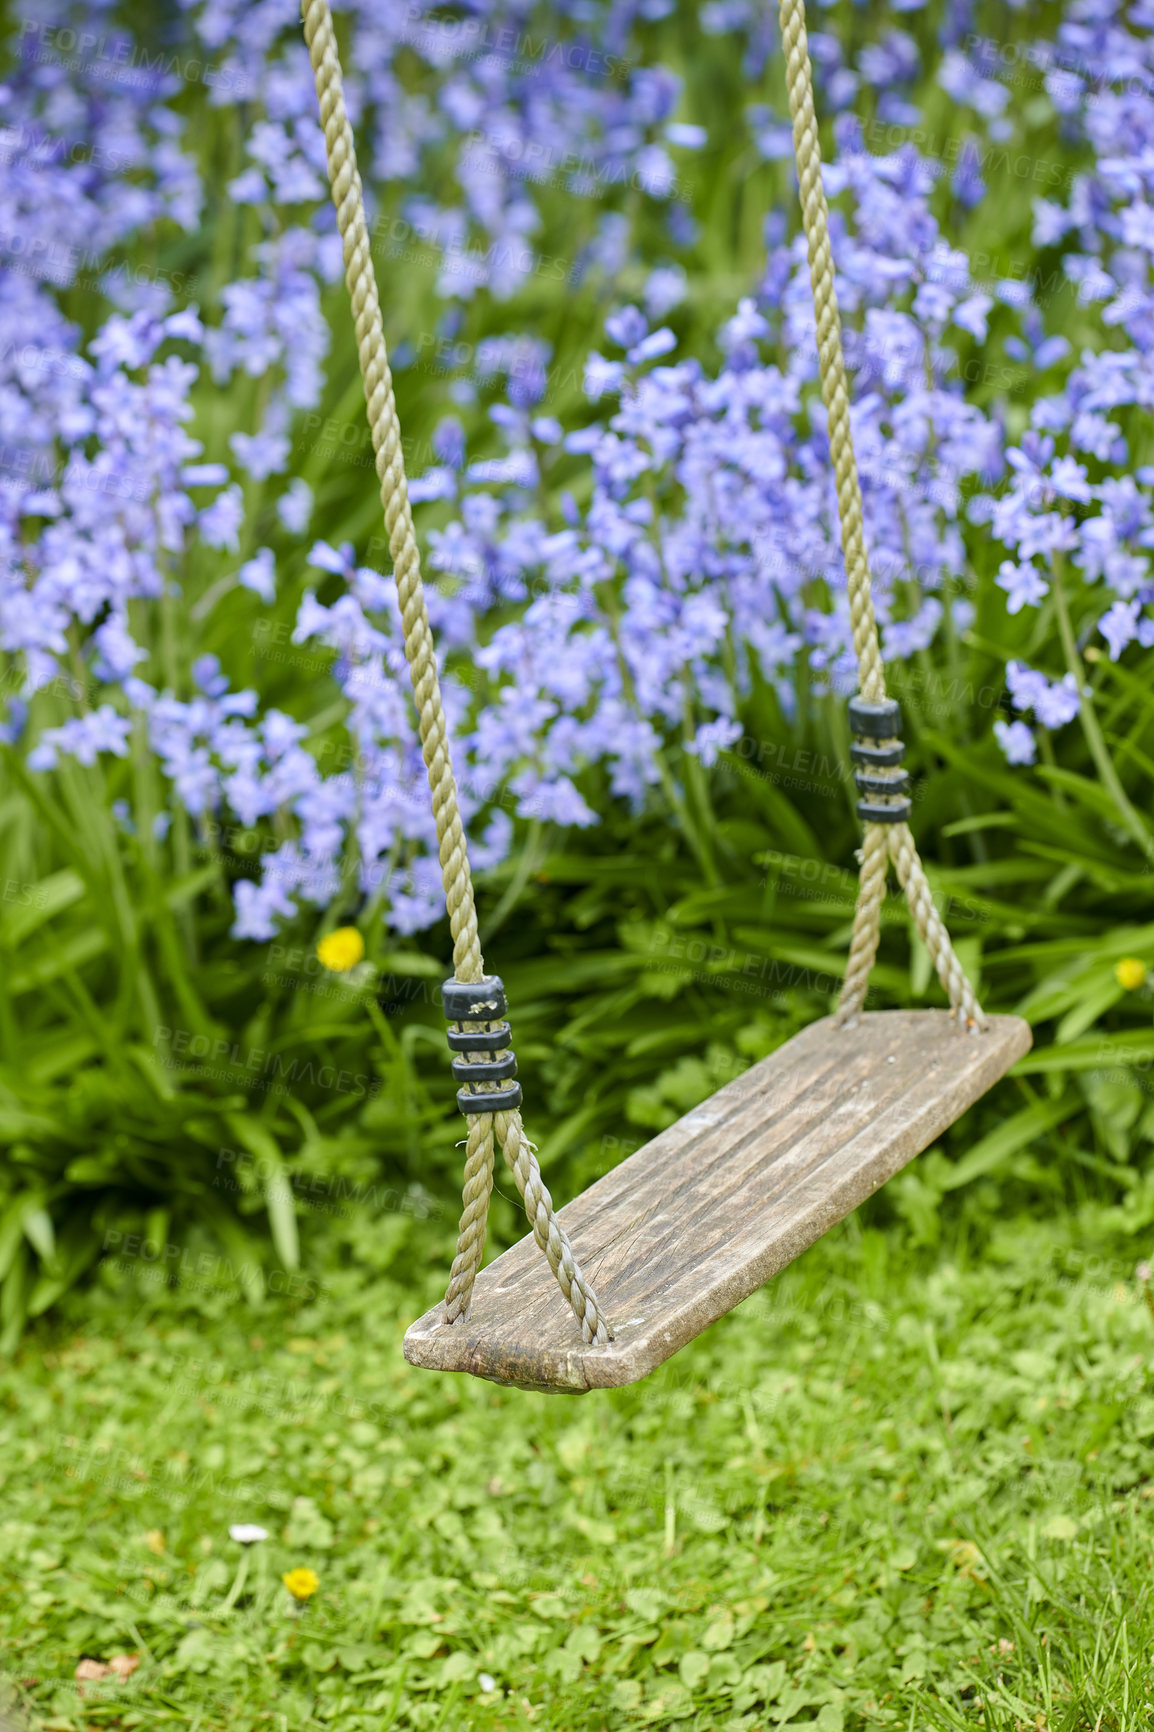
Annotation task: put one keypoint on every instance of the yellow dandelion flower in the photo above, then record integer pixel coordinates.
(301, 1584)
(1130, 973)
(342, 949)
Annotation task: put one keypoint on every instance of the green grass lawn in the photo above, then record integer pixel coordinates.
(889, 1490)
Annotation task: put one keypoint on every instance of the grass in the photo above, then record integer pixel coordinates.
(885, 1492)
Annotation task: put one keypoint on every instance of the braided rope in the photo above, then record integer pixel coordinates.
(899, 843)
(547, 1229)
(931, 927)
(867, 921)
(476, 1190)
(348, 198)
(831, 363)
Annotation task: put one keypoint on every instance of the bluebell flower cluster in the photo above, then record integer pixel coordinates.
(605, 592)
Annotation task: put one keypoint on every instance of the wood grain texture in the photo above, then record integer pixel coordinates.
(699, 1218)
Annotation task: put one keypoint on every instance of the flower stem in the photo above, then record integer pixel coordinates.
(1089, 720)
(530, 861)
(239, 1581)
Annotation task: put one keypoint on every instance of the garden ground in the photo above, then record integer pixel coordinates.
(889, 1490)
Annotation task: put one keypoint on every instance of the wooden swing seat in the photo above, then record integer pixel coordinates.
(703, 1215)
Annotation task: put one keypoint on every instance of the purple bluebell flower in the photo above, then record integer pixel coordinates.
(1016, 741)
(1023, 583)
(1054, 704)
(259, 575)
(1122, 623)
(665, 288)
(295, 505)
(712, 738)
(83, 738)
(261, 454)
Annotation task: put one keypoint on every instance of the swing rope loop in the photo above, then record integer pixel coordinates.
(501, 1122)
(887, 834)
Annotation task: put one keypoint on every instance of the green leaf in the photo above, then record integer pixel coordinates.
(242, 1253)
(584, 1641)
(148, 1063)
(1091, 795)
(1130, 1047)
(78, 1247)
(38, 903)
(16, 1124)
(647, 1603)
(39, 1232)
(186, 890)
(93, 1169)
(357, 1656)
(67, 1051)
(1013, 1134)
(693, 1668)
(12, 1229)
(65, 958)
(278, 1191)
(718, 1635)
(309, 1529)
(767, 1680)
(784, 818)
(14, 1298)
(1097, 1000)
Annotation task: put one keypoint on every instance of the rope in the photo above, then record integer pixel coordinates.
(931, 928)
(896, 842)
(475, 1193)
(867, 921)
(467, 963)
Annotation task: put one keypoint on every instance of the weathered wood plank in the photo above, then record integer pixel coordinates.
(700, 1217)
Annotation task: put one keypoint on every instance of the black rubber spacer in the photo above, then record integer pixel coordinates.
(876, 721)
(485, 1070)
(474, 1000)
(868, 783)
(495, 1101)
(874, 812)
(877, 757)
(480, 1039)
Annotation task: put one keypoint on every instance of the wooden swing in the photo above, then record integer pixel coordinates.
(700, 1217)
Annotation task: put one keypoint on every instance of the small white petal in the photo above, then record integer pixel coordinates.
(486, 1681)
(247, 1533)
